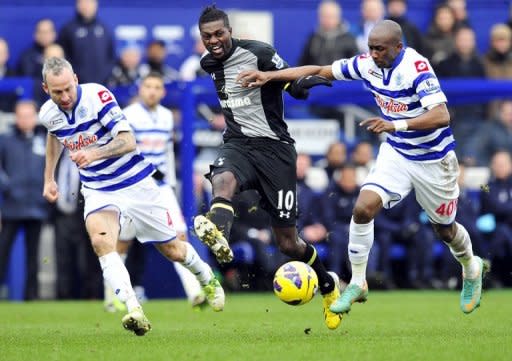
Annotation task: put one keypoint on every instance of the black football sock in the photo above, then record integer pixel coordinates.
(221, 213)
(325, 281)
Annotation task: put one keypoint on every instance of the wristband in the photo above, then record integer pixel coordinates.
(400, 125)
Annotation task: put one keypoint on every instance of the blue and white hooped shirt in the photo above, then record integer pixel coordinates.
(154, 132)
(94, 121)
(403, 91)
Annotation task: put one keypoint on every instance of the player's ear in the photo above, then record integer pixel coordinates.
(76, 78)
(45, 87)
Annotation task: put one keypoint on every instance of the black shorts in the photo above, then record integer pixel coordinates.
(267, 165)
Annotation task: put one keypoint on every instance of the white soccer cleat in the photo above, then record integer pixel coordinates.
(137, 322)
(208, 233)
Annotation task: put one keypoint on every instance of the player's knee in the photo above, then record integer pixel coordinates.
(174, 251)
(445, 233)
(363, 213)
(289, 246)
(224, 185)
(102, 243)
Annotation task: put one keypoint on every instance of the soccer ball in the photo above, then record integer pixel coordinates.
(295, 283)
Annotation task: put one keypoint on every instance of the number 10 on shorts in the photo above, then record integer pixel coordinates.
(288, 200)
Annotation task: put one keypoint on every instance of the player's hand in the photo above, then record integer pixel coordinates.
(252, 78)
(299, 89)
(377, 125)
(50, 191)
(82, 158)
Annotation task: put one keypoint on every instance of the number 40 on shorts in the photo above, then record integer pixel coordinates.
(447, 209)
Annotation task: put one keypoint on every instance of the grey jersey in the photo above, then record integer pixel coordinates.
(249, 112)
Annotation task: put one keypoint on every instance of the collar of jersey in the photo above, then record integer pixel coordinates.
(71, 119)
(387, 78)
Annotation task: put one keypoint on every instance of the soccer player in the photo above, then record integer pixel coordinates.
(418, 154)
(153, 127)
(116, 184)
(258, 152)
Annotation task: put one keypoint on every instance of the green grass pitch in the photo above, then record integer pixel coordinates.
(397, 325)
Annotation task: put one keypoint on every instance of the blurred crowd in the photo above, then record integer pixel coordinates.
(407, 253)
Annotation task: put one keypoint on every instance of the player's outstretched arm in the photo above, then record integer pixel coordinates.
(53, 151)
(255, 78)
(123, 142)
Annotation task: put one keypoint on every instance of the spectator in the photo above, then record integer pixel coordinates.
(461, 13)
(7, 101)
(464, 62)
(498, 59)
(336, 204)
(127, 70)
(498, 203)
(310, 218)
(53, 51)
(22, 160)
(191, 68)
(332, 40)
(493, 136)
(31, 60)
(363, 158)
(88, 44)
(439, 40)
(78, 271)
(372, 11)
(397, 11)
(334, 159)
(156, 55)
(402, 225)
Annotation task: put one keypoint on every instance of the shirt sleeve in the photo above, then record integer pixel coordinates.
(348, 69)
(110, 115)
(269, 59)
(429, 90)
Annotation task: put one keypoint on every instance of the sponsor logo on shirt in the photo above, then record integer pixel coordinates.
(82, 141)
(391, 106)
(236, 102)
(104, 96)
(421, 66)
(375, 73)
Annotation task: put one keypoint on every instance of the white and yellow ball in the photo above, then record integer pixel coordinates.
(295, 283)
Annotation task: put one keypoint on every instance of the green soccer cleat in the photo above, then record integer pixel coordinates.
(472, 288)
(214, 294)
(208, 233)
(137, 322)
(353, 293)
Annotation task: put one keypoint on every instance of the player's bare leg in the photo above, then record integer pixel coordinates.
(103, 229)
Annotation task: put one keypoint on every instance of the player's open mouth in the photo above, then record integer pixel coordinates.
(217, 50)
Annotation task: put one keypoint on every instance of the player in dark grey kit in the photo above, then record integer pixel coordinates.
(258, 152)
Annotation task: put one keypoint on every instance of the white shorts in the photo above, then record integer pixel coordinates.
(143, 209)
(393, 177)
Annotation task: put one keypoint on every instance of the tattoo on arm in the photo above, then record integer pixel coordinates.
(121, 144)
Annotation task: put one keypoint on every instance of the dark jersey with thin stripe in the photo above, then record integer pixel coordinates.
(249, 112)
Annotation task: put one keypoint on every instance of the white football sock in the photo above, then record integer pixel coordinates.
(359, 245)
(116, 276)
(188, 281)
(197, 266)
(462, 249)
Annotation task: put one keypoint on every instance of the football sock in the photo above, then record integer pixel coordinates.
(462, 250)
(360, 241)
(188, 281)
(325, 281)
(117, 277)
(221, 213)
(197, 266)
